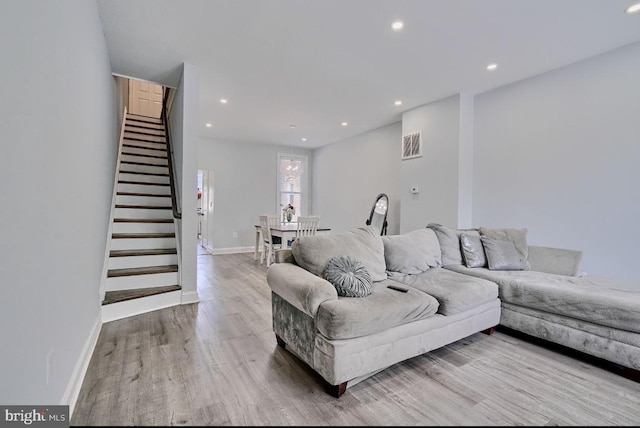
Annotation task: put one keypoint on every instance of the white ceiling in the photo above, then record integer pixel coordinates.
(318, 63)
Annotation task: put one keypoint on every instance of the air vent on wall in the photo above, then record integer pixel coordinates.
(412, 146)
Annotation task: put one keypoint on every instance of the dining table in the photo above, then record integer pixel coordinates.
(286, 231)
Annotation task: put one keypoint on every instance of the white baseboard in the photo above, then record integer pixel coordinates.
(129, 308)
(231, 250)
(77, 377)
(190, 297)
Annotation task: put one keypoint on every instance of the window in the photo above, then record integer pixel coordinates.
(292, 184)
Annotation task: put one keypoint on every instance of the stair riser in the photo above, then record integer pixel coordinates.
(144, 200)
(146, 144)
(128, 308)
(142, 261)
(144, 137)
(149, 131)
(145, 119)
(145, 168)
(156, 179)
(142, 213)
(143, 152)
(144, 160)
(143, 188)
(142, 243)
(143, 227)
(142, 281)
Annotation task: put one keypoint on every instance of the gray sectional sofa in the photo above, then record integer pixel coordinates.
(348, 339)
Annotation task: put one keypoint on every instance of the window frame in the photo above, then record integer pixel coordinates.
(304, 184)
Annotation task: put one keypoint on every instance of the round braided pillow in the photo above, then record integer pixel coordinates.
(349, 276)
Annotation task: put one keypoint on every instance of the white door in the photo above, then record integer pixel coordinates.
(145, 98)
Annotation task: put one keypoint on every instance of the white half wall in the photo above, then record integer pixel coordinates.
(560, 154)
(348, 175)
(59, 147)
(244, 187)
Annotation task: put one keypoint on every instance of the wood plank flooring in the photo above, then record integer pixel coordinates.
(217, 363)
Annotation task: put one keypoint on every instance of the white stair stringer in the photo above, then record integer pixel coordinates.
(143, 263)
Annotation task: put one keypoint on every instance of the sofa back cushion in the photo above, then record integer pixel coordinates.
(364, 244)
(517, 236)
(450, 242)
(412, 252)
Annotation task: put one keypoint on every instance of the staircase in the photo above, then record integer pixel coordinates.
(143, 272)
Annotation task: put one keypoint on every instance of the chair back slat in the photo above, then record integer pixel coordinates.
(307, 226)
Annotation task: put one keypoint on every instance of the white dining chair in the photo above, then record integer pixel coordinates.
(269, 242)
(307, 226)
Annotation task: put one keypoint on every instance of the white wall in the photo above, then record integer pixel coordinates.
(184, 140)
(348, 175)
(58, 141)
(560, 154)
(245, 187)
(436, 172)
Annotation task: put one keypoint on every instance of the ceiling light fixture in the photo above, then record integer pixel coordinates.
(398, 103)
(344, 123)
(209, 125)
(397, 26)
(492, 67)
(223, 101)
(292, 126)
(304, 139)
(633, 8)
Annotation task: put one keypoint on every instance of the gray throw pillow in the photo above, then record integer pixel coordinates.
(517, 236)
(472, 251)
(412, 252)
(503, 255)
(349, 276)
(450, 242)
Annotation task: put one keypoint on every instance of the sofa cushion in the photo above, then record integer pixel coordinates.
(384, 308)
(454, 291)
(517, 236)
(472, 251)
(412, 252)
(503, 255)
(349, 277)
(364, 244)
(599, 300)
(449, 240)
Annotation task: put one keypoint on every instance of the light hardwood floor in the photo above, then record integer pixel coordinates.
(217, 363)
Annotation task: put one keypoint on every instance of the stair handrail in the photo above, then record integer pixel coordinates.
(172, 181)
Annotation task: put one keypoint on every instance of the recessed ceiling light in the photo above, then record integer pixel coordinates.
(398, 103)
(344, 123)
(633, 8)
(397, 26)
(304, 139)
(492, 67)
(209, 125)
(223, 101)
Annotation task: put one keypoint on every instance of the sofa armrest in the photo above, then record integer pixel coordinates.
(300, 287)
(555, 260)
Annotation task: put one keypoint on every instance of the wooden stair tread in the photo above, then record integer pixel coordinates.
(143, 235)
(126, 171)
(141, 163)
(147, 270)
(144, 155)
(134, 146)
(159, 145)
(142, 182)
(152, 195)
(144, 207)
(131, 253)
(137, 293)
(134, 127)
(144, 118)
(143, 220)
